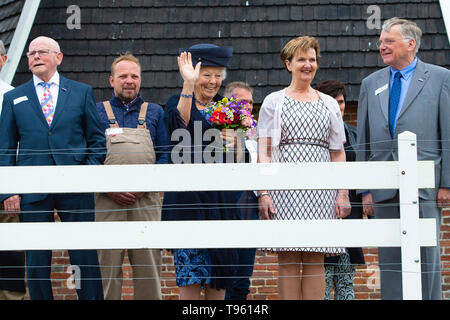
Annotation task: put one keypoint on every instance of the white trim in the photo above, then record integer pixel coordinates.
(19, 40)
(445, 10)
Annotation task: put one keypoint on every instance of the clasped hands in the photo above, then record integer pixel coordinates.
(12, 205)
(442, 201)
(125, 198)
(343, 206)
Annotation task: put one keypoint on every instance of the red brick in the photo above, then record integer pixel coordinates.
(268, 259)
(256, 283)
(267, 290)
(361, 296)
(59, 275)
(171, 283)
(67, 291)
(273, 282)
(375, 296)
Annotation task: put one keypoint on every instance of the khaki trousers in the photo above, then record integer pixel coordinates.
(145, 263)
(12, 295)
(130, 146)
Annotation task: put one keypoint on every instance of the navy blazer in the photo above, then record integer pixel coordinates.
(75, 136)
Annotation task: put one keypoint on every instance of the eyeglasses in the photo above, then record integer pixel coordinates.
(386, 42)
(40, 52)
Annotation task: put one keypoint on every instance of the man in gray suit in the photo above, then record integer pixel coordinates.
(408, 95)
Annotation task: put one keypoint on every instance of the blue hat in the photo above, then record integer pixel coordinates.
(210, 54)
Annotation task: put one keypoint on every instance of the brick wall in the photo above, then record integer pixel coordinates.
(264, 280)
(265, 272)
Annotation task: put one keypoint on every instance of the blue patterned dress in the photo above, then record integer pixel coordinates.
(213, 267)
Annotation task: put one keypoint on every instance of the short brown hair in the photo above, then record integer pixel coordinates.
(303, 43)
(127, 56)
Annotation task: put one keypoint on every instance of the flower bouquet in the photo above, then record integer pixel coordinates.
(230, 114)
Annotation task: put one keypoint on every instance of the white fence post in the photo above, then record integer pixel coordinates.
(409, 216)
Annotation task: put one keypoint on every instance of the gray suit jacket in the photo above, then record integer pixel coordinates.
(425, 112)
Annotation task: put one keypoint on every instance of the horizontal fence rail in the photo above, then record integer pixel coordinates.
(207, 177)
(207, 234)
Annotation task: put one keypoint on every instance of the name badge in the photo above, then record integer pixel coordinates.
(113, 131)
(381, 89)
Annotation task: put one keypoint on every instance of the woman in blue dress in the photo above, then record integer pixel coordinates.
(203, 68)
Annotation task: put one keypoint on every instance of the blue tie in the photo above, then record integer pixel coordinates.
(394, 98)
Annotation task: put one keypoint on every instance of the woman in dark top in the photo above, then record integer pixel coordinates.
(340, 270)
(203, 68)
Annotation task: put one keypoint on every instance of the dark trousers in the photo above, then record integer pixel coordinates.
(246, 257)
(244, 271)
(390, 258)
(70, 208)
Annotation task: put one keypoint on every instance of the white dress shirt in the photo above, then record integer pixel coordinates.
(4, 87)
(54, 88)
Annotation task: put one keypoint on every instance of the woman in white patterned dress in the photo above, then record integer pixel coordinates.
(300, 124)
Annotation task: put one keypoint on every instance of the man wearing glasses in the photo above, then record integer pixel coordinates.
(407, 95)
(51, 120)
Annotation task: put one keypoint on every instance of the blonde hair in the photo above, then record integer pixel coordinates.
(304, 43)
(127, 56)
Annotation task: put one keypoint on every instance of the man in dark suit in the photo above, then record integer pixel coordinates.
(51, 120)
(12, 263)
(407, 95)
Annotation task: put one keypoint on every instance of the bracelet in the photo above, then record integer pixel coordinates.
(262, 194)
(186, 95)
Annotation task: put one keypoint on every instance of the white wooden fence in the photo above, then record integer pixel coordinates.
(409, 232)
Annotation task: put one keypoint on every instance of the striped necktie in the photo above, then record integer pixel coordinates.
(47, 104)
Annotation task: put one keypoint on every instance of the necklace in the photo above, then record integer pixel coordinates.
(201, 103)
